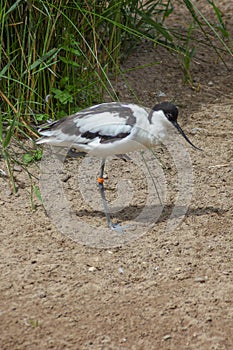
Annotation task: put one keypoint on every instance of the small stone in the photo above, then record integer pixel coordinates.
(3, 173)
(167, 336)
(178, 269)
(8, 193)
(123, 340)
(201, 279)
(17, 168)
(92, 269)
(121, 270)
(195, 130)
(42, 294)
(65, 177)
(223, 272)
(106, 339)
(161, 94)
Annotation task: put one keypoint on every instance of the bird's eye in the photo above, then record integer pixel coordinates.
(170, 116)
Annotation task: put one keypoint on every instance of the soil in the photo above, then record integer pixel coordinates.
(165, 289)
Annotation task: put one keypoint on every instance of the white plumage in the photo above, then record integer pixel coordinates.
(108, 128)
(113, 128)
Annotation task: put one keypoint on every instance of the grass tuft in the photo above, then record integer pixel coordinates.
(58, 57)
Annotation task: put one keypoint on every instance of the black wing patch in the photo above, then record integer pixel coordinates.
(104, 138)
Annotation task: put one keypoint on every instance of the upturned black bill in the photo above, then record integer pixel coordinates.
(184, 136)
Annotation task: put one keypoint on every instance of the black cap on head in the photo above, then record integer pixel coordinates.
(169, 109)
(171, 112)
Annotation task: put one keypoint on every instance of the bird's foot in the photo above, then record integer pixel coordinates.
(72, 153)
(118, 228)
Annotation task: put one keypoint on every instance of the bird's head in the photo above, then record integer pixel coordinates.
(170, 111)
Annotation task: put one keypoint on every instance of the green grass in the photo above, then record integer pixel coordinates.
(58, 57)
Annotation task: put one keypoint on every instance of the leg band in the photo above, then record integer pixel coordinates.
(100, 180)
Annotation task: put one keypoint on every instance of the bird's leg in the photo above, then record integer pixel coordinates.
(115, 227)
(101, 188)
(112, 226)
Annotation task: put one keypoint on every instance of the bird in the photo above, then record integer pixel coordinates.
(113, 128)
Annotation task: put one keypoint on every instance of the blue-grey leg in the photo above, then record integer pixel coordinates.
(105, 205)
(101, 188)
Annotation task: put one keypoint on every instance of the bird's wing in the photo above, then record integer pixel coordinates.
(106, 121)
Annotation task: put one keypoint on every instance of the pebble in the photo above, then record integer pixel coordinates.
(8, 193)
(161, 94)
(3, 173)
(201, 279)
(195, 130)
(65, 178)
(121, 270)
(42, 294)
(178, 269)
(167, 336)
(17, 168)
(92, 269)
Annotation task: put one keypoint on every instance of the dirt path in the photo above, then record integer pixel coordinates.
(164, 290)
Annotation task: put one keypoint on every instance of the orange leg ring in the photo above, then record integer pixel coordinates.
(100, 180)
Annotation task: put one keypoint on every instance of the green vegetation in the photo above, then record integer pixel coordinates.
(57, 57)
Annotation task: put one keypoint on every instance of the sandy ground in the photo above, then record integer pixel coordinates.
(165, 289)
